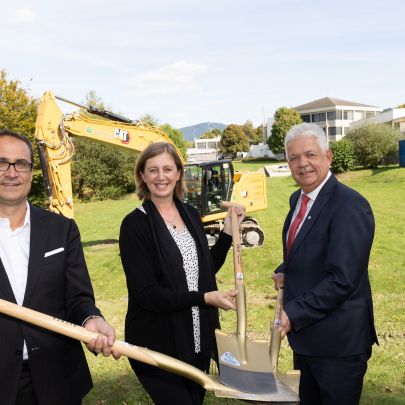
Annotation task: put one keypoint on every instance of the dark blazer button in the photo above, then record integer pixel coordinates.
(18, 353)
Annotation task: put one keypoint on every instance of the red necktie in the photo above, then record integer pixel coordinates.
(297, 221)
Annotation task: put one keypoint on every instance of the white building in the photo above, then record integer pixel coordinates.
(195, 155)
(256, 151)
(205, 150)
(335, 115)
(207, 143)
(393, 116)
(270, 122)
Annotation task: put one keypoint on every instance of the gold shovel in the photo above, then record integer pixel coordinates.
(209, 382)
(244, 364)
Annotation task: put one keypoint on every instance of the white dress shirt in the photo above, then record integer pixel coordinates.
(312, 197)
(14, 253)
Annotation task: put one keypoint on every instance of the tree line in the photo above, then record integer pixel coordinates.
(99, 171)
(102, 171)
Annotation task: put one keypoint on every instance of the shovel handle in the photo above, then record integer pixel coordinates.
(239, 282)
(237, 254)
(279, 307)
(275, 333)
(141, 354)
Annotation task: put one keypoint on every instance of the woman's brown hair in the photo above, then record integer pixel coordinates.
(155, 149)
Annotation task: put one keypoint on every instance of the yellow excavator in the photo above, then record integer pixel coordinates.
(208, 183)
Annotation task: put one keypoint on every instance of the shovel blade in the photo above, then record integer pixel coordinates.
(245, 365)
(253, 382)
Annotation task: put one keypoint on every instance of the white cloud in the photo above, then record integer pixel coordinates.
(21, 15)
(175, 78)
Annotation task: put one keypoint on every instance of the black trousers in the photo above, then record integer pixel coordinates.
(26, 394)
(331, 381)
(166, 388)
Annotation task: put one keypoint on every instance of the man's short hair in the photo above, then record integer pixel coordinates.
(23, 138)
(307, 129)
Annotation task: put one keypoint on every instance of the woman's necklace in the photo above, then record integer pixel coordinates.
(171, 221)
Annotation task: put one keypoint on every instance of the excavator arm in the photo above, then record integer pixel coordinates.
(208, 183)
(53, 136)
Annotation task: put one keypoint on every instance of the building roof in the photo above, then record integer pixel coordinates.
(329, 102)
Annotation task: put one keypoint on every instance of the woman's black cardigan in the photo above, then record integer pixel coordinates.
(159, 303)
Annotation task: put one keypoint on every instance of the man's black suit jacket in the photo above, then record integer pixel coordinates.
(327, 292)
(58, 285)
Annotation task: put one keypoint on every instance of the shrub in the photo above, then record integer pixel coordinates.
(111, 193)
(101, 171)
(374, 144)
(343, 156)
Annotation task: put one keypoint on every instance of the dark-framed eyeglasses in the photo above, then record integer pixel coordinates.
(21, 167)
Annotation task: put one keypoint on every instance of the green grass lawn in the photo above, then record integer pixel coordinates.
(114, 382)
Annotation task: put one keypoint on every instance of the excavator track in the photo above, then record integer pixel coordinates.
(251, 233)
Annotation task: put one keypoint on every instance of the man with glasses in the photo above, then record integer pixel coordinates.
(42, 267)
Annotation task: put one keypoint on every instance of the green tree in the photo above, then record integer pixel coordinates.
(149, 119)
(374, 144)
(177, 137)
(343, 156)
(234, 140)
(251, 133)
(401, 106)
(213, 133)
(284, 119)
(93, 100)
(18, 112)
(174, 134)
(101, 171)
(260, 133)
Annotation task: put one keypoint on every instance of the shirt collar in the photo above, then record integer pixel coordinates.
(27, 219)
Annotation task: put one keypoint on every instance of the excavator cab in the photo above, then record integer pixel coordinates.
(208, 184)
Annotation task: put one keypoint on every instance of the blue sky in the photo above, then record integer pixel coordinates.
(187, 62)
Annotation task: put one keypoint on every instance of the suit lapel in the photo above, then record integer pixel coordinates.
(323, 197)
(6, 292)
(293, 202)
(37, 250)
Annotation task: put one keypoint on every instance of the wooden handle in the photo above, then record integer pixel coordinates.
(238, 277)
(141, 354)
(275, 341)
(237, 254)
(68, 329)
(228, 204)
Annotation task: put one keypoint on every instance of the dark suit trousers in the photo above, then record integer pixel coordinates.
(167, 388)
(331, 381)
(26, 394)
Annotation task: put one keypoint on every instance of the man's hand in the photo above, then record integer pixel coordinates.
(105, 338)
(219, 299)
(278, 280)
(285, 325)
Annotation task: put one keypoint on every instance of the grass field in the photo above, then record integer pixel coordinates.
(114, 382)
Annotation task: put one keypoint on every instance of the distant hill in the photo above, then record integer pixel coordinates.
(195, 131)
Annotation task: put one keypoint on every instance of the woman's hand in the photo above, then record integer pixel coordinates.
(240, 213)
(221, 299)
